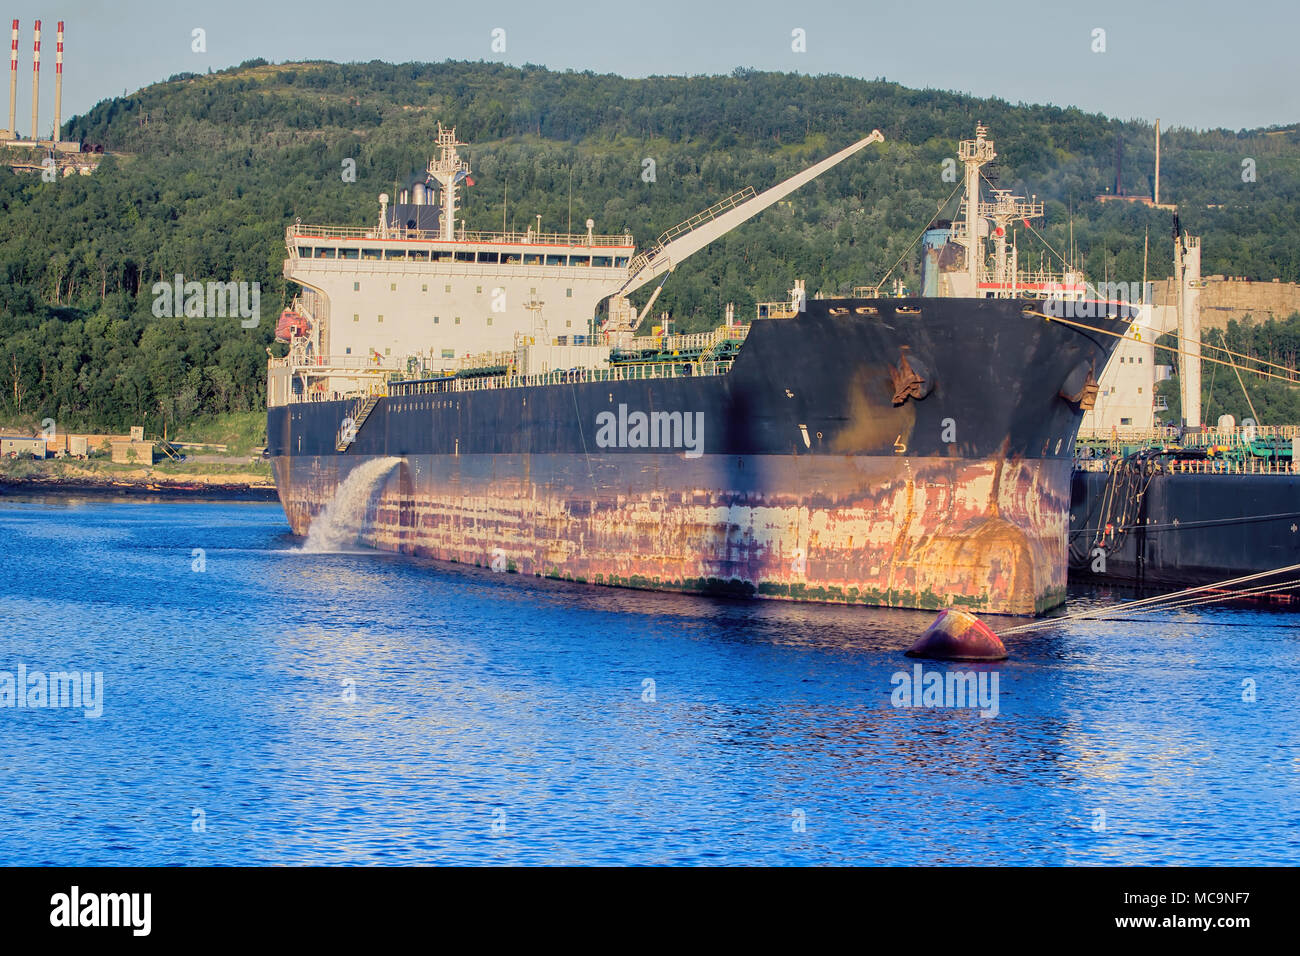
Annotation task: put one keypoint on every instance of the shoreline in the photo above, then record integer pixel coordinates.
(196, 490)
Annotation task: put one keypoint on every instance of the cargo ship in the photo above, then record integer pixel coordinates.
(489, 396)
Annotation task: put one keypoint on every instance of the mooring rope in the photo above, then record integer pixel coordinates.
(1214, 596)
(1164, 601)
(1289, 379)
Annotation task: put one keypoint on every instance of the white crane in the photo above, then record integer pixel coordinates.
(695, 233)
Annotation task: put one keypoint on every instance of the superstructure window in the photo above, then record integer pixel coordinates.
(394, 253)
(381, 320)
(326, 253)
(555, 260)
(464, 257)
(568, 293)
(493, 257)
(420, 255)
(511, 258)
(458, 320)
(602, 262)
(435, 320)
(490, 322)
(448, 353)
(371, 254)
(439, 255)
(356, 287)
(447, 288)
(392, 287)
(424, 287)
(478, 289)
(532, 259)
(579, 260)
(620, 262)
(349, 253)
(356, 317)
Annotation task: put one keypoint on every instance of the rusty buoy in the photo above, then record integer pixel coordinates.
(958, 635)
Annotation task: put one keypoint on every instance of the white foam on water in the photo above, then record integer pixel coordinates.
(337, 527)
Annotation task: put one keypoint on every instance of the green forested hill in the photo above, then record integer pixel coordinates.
(208, 170)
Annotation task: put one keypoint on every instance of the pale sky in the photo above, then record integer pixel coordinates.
(1190, 63)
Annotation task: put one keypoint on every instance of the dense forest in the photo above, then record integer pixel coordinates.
(203, 173)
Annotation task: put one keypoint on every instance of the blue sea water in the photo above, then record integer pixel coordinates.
(282, 707)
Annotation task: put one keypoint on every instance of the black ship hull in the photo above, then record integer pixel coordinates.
(901, 452)
(1185, 529)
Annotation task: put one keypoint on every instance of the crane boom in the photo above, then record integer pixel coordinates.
(696, 233)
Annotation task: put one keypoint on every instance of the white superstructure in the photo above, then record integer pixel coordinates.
(419, 294)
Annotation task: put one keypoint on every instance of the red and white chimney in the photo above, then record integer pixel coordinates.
(58, 83)
(13, 83)
(36, 82)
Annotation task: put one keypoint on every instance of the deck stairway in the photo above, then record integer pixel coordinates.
(352, 424)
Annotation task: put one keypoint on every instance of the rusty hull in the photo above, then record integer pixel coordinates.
(897, 532)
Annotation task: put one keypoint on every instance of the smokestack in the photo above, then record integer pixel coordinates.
(58, 82)
(36, 81)
(13, 83)
(1156, 197)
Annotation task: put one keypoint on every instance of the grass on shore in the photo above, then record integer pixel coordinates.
(240, 432)
(94, 468)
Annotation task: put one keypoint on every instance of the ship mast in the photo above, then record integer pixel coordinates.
(1002, 211)
(974, 153)
(448, 169)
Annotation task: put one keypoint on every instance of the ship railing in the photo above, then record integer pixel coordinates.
(690, 341)
(352, 362)
(302, 230)
(1168, 434)
(700, 218)
(690, 225)
(486, 360)
(574, 376)
(1201, 466)
(775, 310)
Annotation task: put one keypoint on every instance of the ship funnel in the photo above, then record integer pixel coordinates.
(58, 82)
(13, 83)
(36, 82)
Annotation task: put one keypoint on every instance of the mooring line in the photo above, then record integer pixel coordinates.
(1162, 601)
